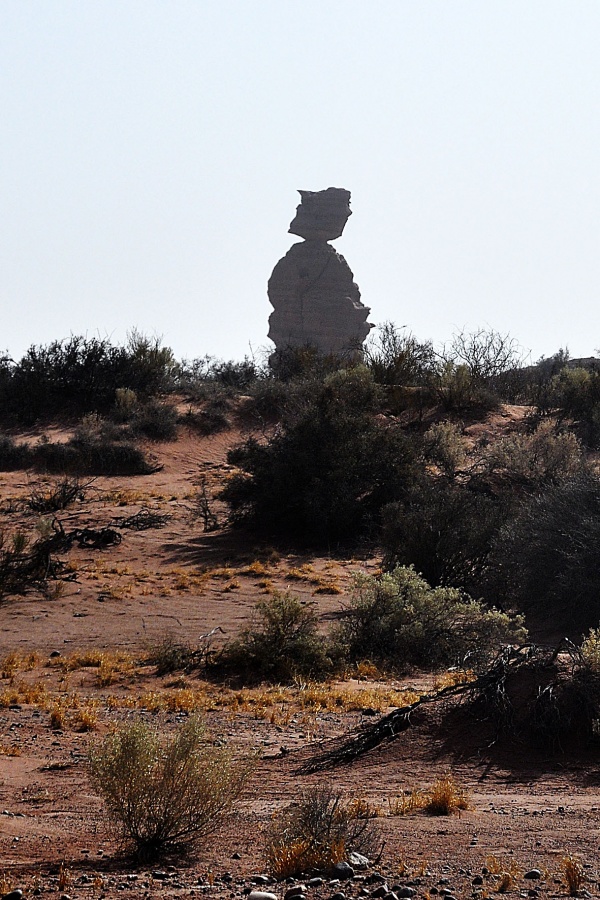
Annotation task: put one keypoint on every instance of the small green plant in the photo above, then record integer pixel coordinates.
(317, 832)
(164, 795)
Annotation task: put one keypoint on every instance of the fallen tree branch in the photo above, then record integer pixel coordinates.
(399, 720)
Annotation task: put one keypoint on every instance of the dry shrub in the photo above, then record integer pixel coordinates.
(164, 795)
(317, 832)
(445, 797)
(407, 803)
(572, 870)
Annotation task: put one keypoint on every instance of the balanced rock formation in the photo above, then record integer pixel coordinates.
(312, 290)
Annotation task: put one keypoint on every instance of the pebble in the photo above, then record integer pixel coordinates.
(13, 895)
(375, 878)
(339, 895)
(297, 890)
(533, 874)
(358, 861)
(406, 892)
(260, 879)
(381, 891)
(342, 870)
(478, 879)
(315, 882)
(262, 895)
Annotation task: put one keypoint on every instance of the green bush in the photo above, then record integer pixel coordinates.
(164, 796)
(545, 561)
(396, 358)
(546, 456)
(80, 375)
(445, 530)
(444, 445)
(281, 643)
(325, 476)
(399, 621)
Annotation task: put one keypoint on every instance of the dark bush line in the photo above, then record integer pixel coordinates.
(75, 457)
(80, 375)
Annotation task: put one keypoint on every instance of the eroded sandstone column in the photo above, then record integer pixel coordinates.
(312, 290)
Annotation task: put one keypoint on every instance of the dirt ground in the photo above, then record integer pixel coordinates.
(75, 662)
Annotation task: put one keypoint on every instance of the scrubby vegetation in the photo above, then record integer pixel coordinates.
(320, 830)
(164, 795)
(399, 621)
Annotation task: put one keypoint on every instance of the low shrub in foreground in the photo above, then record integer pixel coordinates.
(317, 832)
(398, 620)
(164, 796)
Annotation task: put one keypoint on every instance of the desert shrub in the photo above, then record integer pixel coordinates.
(573, 872)
(545, 562)
(280, 644)
(318, 831)
(546, 456)
(80, 374)
(90, 457)
(458, 389)
(238, 375)
(12, 456)
(325, 476)
(164, 796)
(477, 370)
(445, 530)
(58, 496)
(396, 358)
(576, 393)
(399, 621)
(212, 419)
(24, 563)
(444, 445)
(306, 363)
(155, 420)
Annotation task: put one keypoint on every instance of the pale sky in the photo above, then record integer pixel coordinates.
(150, 153)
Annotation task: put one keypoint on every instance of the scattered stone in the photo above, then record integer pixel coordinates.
(159, 875)
(381, 891)
(478, 879)
(533, 874)
(262, 895)
(297, 890)
(260, 879)
(54, 654)
(13, 895)
(358, 861)
(375, 878)
(236, 855)
(339, 895)
(406, 892)
(342, 870)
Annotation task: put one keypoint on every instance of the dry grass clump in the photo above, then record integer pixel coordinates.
(507, 873)
(443, 798)
(573, 873)
(317, 832)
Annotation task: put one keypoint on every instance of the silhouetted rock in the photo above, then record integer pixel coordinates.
(315, 299)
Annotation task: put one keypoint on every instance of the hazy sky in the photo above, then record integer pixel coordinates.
(150, 152)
